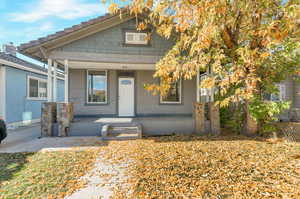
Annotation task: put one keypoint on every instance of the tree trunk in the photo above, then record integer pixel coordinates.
(250, 125)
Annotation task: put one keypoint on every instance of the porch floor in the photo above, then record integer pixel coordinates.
(150, 125)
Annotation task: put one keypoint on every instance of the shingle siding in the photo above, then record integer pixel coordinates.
(111, 41)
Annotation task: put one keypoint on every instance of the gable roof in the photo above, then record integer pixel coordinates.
(33, 48)
(13, 59)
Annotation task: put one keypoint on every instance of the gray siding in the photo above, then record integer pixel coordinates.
(149, 104)
(292, 92)
(289, 84)
(146, 103)
(78, 94)
(296, 92)
(110, 41)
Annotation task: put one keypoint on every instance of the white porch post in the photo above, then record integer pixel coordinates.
(55, 82)
(198, 86)
(66, 81)
(207, 89)
(49, 86)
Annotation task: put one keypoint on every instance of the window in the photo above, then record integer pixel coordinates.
(37, 88)
(279, 96)
(174, 94)
(136, 38)
(97, 87)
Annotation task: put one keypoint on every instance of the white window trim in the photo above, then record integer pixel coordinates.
(180, 96)
(28, 88)
(87, 87)
(135, 42)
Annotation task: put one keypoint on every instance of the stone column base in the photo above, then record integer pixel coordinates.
(294, 115)
(214, 116)
(48, 117)
(64, 118)
(199, 118)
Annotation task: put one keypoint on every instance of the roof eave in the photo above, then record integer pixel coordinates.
(32, 49)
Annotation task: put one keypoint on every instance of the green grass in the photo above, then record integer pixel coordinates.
(43, 175)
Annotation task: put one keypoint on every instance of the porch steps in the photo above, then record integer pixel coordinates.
(121, 131)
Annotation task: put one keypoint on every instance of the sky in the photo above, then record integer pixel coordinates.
(25, 20)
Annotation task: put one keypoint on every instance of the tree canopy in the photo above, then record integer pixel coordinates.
(248, 44)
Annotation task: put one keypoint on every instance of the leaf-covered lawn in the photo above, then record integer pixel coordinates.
(43, 175)
(163, 167)
(224, 167)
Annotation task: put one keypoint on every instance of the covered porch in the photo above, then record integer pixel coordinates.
(156, 118)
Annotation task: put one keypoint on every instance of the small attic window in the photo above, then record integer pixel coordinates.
(136, 38)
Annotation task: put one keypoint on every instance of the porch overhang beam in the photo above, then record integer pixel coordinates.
(109, 66)
(104, 57)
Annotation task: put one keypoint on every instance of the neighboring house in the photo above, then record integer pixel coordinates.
(23, 88)
(108, 63)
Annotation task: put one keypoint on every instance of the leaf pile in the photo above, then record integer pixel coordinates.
(223, 167)
(43, 175)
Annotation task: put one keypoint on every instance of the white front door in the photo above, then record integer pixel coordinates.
(126, 96)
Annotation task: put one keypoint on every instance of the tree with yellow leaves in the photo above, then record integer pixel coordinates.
(249, 45)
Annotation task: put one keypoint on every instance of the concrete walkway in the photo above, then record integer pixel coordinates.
(21, 136)
(26, 139)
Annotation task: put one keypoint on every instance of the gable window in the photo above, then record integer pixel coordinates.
(97, 87)
(138, 38)
(174, 94)
(37, 88)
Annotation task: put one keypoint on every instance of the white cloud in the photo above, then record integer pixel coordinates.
(64, 9)
(47, 26)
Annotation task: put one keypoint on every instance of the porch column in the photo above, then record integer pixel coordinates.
(199, 109)
(55, 82)
(66, 81)
(207, 89)
(197, 86)
(49, 86)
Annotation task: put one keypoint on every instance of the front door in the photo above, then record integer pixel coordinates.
(126, 96)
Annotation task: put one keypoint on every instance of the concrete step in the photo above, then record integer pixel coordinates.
(122, 131)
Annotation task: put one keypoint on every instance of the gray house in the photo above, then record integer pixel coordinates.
(23, 88)
(107, 63)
